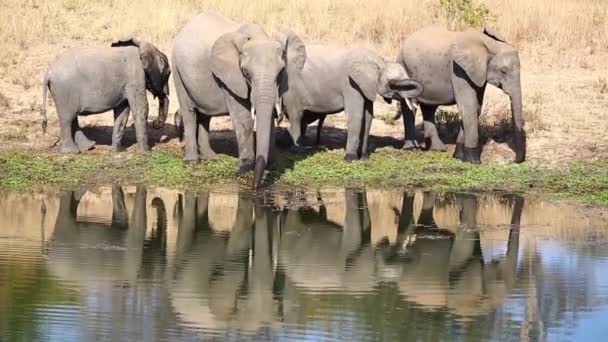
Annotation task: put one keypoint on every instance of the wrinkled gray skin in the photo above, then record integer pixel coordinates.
(222, 67)
(332, 80)
(454, 68)
(93, 80)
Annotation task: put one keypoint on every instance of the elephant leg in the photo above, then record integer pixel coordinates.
(431, 136)
(354, 107)
(459, 150)
(66, 125)
(83, 143)
(320, 128)
(368, 117)
(469, 104)
(243, 126)
(121, 117)
(409, 127)
(188, 120)
(303, 128)
(139, 105)
(204, 147)
(120, 218)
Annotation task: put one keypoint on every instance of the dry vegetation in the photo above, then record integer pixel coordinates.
(563, 44)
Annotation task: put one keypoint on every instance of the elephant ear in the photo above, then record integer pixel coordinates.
(365, 74)
(225, 62)
(488, 31)
(295, 50)
(156, 69)
(472, 58)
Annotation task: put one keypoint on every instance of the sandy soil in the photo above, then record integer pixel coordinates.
(565, 104)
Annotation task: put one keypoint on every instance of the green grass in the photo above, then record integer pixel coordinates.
(387, 168)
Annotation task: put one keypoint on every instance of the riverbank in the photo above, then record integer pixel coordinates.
(387, 168)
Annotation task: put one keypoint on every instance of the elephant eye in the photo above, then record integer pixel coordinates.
(245, 72)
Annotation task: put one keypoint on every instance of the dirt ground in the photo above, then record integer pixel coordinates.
(565, 106)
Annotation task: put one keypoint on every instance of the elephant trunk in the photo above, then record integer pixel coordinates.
(519, 135)
(264, 98)
(163, 109)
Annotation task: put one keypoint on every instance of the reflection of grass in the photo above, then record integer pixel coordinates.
(387, 168)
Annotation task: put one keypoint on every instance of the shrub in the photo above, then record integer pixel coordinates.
(464, 13)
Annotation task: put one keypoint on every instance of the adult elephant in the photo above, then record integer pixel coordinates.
(455, 68)
(223, 67)
(332, 80)
(93, 80)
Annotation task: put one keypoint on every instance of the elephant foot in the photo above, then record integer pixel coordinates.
(435, 145)
(297, 149)
(351, 157)
(69, 148)
(118, 148)
(364, 156)
(459, 152)
(209, 155)
(83, 143)
(410, 145)
(246, 167)
(472, 155)
(191, 158)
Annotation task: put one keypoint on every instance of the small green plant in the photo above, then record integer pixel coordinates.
(465, 13)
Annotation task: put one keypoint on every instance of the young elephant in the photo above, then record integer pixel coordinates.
(455, 68)
(332, 80)
(93, 80)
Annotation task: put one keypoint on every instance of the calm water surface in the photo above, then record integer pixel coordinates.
(136, 264)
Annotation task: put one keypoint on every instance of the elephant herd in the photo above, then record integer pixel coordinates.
(222, 67)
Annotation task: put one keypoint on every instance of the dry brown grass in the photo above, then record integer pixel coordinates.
(556, 24)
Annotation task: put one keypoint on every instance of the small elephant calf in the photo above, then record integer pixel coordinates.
(331, 80)
(93, 80)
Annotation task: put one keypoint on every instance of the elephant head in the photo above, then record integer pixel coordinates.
(157, 71)
(487, 58)
(250, 65)
(374, 76)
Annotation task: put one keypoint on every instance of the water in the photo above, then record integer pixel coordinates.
(130, 264)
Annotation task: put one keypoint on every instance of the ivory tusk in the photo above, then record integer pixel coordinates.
(278, 106)
(253, 117)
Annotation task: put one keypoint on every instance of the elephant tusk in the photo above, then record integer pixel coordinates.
(253, 117)
(410, 104)
(278, 106)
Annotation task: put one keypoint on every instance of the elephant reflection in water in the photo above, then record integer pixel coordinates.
(89, 250)
(318, 254)
(439, 268)
(104, 260)
(224, 280)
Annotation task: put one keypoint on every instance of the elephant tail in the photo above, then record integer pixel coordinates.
(45, 87)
